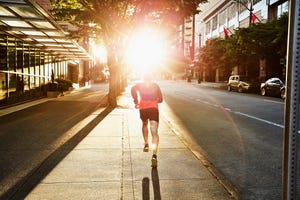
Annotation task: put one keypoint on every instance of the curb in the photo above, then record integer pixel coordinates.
(197, 152)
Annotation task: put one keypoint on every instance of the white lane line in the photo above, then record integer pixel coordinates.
(259, 119)
(272, 101)
(246, 115)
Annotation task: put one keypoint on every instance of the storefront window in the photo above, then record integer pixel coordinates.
(3, 86)
(42, 68)
(26, 82)
(12, 59)
(3, 56)
(31, 82)
(12, 83)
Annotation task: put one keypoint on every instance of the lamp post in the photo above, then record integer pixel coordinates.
(251, 12)
(249, 9)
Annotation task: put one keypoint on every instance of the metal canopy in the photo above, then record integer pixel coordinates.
(27, 21)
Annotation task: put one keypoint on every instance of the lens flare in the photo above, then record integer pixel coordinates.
(145, 52)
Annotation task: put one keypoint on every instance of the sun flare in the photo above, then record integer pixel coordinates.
(146, 52)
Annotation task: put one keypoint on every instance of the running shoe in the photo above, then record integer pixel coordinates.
(154, 161)
(146, 148)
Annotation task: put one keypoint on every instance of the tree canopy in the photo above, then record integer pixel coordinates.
(112, 19)
(244, 48)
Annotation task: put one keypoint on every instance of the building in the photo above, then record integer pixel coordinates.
(217, 16)
(34, 47)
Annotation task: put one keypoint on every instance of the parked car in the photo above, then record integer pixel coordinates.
(282, 92)
(273, 87)
(241, 84)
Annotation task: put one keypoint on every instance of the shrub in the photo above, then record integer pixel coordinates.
(52, 86)
(64, 84)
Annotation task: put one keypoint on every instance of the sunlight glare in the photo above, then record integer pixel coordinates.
(145, 52)
(100, 52)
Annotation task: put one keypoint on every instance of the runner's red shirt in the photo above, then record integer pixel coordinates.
(147, 95)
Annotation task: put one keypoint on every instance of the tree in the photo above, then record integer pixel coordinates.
(111, 21)
(216, 55)
(246, 47)
(264, 42)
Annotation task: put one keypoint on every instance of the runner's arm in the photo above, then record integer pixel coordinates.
(159, 95)
(134, 94)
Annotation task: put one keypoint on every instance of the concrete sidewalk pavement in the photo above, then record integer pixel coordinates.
(109, 163)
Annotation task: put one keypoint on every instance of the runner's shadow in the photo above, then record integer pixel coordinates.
(155, 184)
(145, 189)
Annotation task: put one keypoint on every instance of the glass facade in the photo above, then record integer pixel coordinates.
(232, 11)
(214, 22)
(33, 48)
(25, 69)
(256, 1)
(282, 8)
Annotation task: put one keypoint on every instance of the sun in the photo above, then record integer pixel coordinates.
(146, 51)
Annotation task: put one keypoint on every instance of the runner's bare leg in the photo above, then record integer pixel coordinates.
(145, 131)
(155, 137)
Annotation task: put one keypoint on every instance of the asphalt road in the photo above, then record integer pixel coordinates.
(240, 134)
(31, 135)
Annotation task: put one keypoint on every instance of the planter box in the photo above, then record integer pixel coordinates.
(52, 94)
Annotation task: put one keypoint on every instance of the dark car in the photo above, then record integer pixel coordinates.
(273, 87)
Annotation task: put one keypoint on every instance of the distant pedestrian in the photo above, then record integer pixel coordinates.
(146, 96)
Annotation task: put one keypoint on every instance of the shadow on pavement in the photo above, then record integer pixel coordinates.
(145, 188)
(155, 184)
(49, 163)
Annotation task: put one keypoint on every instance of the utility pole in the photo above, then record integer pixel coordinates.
(249, 9)
(251, 12)
(291, 111)
(193, 39)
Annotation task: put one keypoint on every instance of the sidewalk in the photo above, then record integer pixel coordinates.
(109, 163)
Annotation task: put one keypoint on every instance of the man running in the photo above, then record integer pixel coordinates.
(146, 96)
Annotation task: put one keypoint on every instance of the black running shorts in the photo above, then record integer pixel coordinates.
(149, 113)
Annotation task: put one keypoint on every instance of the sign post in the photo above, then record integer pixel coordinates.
(291, 116)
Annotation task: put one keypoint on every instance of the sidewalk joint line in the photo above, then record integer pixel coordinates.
(130, 156)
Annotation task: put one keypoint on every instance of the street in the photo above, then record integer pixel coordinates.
(63, 64)
(30, 135)
(239, 133)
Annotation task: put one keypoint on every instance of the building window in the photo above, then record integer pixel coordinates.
(256, 1)
(23, 70)
(214, 22)
(222, 17)
(243, 5)
(207, 28)
(282, 8)
(231, 11)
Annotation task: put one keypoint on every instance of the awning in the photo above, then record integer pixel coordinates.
(27, 21)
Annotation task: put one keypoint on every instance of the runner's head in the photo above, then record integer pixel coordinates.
(147, 77)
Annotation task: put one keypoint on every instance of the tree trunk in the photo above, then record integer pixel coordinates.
(113, 85)
(117, 80)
